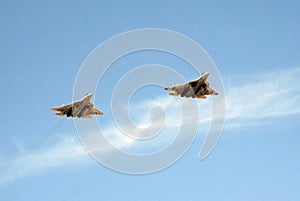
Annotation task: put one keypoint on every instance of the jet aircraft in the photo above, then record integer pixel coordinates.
(196, 89)
(83, 108)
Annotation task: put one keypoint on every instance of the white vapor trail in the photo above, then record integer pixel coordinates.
(256, 98)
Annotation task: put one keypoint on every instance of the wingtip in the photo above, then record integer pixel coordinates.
(98, 112)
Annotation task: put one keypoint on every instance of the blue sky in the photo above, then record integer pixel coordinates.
(255, 46)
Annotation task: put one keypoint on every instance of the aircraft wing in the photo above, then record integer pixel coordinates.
(211, 91)
(63, 110)
(184, 90)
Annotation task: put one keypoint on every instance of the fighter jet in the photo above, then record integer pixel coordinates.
(83, 108)
(195, 89)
